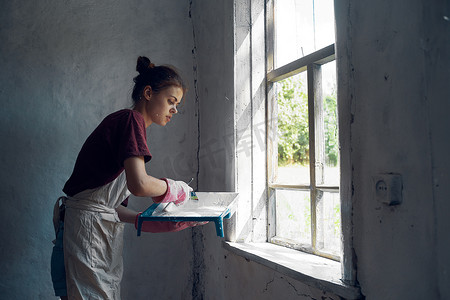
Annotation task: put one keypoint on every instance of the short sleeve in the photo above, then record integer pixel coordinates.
(133, 141)
(119, 136)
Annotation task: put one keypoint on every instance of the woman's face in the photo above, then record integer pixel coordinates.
(163, 105)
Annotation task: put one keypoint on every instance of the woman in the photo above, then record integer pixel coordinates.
(110, 166)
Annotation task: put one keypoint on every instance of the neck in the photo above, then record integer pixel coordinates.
(140, 107)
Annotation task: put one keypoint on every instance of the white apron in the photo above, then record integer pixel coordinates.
(93, 242)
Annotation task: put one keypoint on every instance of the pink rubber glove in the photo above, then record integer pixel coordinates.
(165, 226)
(177, 192)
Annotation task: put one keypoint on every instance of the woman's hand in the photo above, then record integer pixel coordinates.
(177, 192)
(165, 226)
(129, 216)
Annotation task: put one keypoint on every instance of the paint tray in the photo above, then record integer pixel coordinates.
(210, 206)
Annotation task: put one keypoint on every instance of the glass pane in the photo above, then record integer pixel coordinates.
(292, 130)
(324, 23)
(328, 221)
(327, 143)
(293, 216)
(302, 27)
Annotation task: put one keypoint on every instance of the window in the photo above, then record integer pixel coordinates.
(303, 154)
(281, 209)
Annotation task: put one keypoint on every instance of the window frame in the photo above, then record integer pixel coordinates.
(312, 65)
(319, 57)
(247, 232)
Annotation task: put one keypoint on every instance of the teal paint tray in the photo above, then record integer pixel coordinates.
(210, 206)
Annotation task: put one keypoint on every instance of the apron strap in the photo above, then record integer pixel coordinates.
(58, 212)
(82, 204)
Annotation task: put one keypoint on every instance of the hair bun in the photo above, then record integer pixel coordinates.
(143, 64)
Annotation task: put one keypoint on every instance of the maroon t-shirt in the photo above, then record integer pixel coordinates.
(119, 136)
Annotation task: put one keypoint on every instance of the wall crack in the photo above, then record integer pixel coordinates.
(198, 269)
(196, 93)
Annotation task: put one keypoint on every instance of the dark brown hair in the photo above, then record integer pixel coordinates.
(157, 77)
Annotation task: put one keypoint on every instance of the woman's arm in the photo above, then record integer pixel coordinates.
(126, 215)
(139, 183)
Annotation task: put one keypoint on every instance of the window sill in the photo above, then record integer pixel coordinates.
(310, 269)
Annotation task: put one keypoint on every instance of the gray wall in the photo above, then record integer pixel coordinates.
(66, 65)
(395, 64)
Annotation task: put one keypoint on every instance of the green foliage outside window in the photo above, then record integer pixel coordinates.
(293, 134)
(331, 130)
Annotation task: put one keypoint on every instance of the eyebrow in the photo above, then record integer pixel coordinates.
(176, 100)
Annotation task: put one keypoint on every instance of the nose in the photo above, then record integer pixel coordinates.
(174, 109)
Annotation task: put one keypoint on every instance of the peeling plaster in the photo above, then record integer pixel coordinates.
(294, 288)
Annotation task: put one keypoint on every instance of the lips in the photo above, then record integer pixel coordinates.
(168, 118)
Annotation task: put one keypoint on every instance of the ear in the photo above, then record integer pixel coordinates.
(147, 92)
